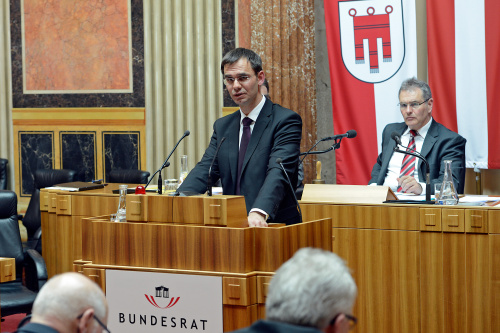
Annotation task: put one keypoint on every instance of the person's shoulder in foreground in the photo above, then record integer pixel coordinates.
(270, 326)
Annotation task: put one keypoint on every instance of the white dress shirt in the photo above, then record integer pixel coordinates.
(394, 167)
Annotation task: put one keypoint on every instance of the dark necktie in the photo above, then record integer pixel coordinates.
(245, 139)
(408, 165)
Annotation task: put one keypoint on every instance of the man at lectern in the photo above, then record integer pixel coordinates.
(251, 141)
(419, 132)
(312, 292)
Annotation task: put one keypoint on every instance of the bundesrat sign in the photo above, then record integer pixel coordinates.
(162, 302)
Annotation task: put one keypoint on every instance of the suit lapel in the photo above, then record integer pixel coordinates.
(258, 130)
(430, 139)
(401, 127)
(233, 144)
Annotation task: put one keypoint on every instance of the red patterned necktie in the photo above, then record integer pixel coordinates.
(408, 165)
(245, 139)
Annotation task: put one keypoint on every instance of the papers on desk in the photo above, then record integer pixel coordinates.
(76, 186)
(411, 196)
(69, 189)
(472, 200)
(482, 200)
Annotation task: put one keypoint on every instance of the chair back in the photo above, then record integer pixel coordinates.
(128, 176)
(3, 173)
(10, 237)
(43, 178)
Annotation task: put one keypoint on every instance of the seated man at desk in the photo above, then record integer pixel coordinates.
(255, 138)
(421, 133)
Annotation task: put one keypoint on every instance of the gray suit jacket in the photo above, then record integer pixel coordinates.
(276, 134)
(440, 144)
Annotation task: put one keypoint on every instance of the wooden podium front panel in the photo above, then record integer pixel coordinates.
(175, 246)
(273, 246)
(384, 264)
(494, 247)
(236, 317)
(477, 286)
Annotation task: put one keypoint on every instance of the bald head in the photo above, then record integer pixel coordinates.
(66, 296)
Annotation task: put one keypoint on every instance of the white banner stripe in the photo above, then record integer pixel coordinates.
(386, 93)
(470, 70)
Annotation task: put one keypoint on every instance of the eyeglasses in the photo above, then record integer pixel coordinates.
(413, 105)
(242, 79)
(98, 321)
(352, 320)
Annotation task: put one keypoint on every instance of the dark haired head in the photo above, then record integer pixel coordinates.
(234, 55)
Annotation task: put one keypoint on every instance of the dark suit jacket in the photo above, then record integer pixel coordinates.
(269, 326)
(440, 144)
(276, 134)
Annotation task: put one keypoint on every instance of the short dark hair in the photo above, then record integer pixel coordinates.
(412, 83)
(234, 55)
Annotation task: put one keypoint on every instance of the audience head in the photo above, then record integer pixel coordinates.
(71, 302)
(415, 102)
(314, 288)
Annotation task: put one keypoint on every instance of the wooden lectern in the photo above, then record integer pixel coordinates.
(196, 235)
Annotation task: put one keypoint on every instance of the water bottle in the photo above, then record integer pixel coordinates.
(448, 194)
(184, 169)
(121, 214)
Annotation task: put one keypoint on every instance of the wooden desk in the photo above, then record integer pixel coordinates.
(7, 272)
(179, 235)
(419, 268)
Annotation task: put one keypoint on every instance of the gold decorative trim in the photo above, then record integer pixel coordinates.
(79, 116)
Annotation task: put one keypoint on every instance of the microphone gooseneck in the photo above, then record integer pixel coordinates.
(166, 164)
(280, 162)
(209, 180)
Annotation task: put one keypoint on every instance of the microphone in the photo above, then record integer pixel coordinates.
(338, 139)
(349, 134)
(209, 180)
(280, 162)
(395, 137)
(165, 165)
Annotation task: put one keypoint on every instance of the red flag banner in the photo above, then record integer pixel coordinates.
(464, 74)
(371, 50)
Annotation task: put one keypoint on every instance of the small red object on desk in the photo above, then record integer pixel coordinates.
(140, 190)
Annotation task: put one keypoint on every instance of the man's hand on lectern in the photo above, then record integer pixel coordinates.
(256, 219)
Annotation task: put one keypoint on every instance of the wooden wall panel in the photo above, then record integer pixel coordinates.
(282, 33)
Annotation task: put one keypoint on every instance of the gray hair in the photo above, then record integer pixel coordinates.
(234, 55)
(68, 295)
(414, 83)
(310, 289)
